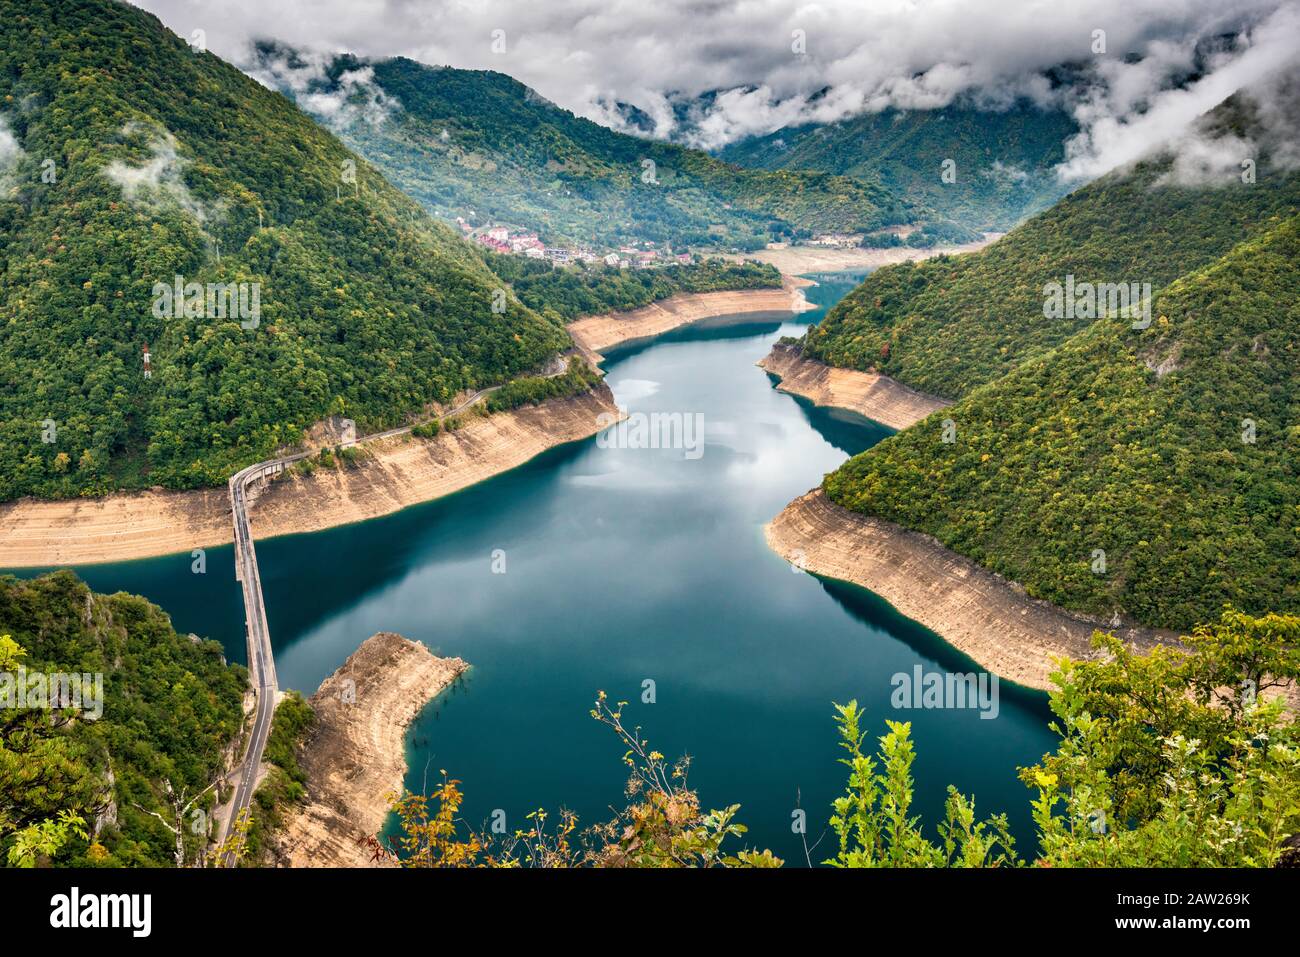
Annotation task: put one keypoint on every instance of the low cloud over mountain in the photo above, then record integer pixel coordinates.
(1135, 73)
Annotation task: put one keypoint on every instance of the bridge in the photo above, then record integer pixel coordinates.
(244, 487)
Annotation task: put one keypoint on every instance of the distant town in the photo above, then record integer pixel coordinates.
(635, 254)
(642, 254)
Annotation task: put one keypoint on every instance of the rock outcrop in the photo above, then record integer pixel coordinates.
(355, 755)
(976, 611)
(876, 396)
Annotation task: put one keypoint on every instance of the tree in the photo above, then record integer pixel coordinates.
(42, 777)
(872, 819)
(180, 806)
(1175, 759)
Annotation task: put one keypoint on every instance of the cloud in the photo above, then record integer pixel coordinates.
(761, 65)
(11, 154)
(1278, 109)
(1008, 173)
(158, 183)
(353, 97)
(1134, 110)
(356, 99)
(1205, 156)
(1207, 161)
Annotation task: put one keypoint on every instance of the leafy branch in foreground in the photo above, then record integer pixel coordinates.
(1168, 759)
(872, 819)
(41, 777)
(1174, 759)
(662, 825)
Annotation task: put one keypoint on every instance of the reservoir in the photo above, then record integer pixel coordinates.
(631, 570)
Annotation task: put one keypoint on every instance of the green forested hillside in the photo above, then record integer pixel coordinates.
(586, 290)
(950, 324)
(1003, 159)
(1174, 449)
(170, 707)
(142, 160)
(461, 140)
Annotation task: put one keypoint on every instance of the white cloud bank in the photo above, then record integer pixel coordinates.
(158, 183)
(352, 98)
(774, 63)
(11, 154)
(1129, 112)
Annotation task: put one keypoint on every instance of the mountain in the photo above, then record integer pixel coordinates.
(1003, 159)
(948, 325)
(480, 141)
(1174, 450)
(156, 726)
(130, 159)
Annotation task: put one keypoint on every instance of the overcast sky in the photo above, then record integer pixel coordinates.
(772, 55)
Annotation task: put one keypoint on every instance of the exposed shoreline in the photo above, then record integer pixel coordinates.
(355, 755)
(988, 618)
(595, 334)
(876, 396)
(794, 260)
(407, 470)
(395, 473)
(983, 615)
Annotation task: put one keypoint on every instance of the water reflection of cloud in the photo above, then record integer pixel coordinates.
(766, 462)
(633, 390)
(623, 477)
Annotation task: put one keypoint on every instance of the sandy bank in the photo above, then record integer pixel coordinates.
(355, 756)
(406, 470)
(117, 527)
(876, 396)
(595, 334)
(804, 259)
(982, 614)
(397, 472)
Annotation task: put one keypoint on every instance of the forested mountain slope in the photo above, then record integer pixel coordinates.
(949, 324)
(462, 140)
(130, 159)
(569, 293)
(170, 709)
(1174, 450)
(1003, 159)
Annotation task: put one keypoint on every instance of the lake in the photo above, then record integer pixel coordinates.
(625, 569)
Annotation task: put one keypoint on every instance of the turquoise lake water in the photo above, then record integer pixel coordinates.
(622, 566)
